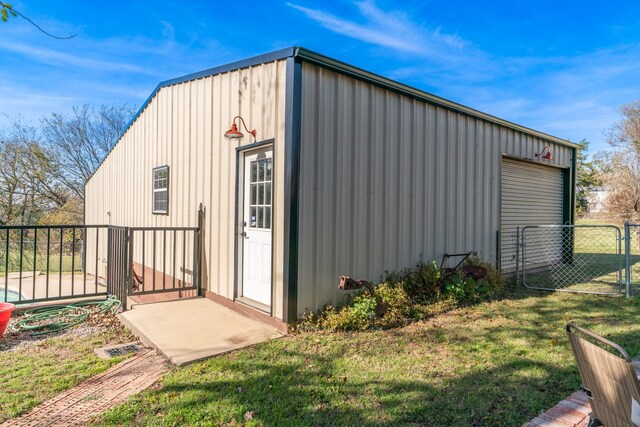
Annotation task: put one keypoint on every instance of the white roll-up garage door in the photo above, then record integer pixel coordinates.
(532, 194)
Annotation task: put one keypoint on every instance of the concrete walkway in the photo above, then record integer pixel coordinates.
(75, 406)
(192, 329)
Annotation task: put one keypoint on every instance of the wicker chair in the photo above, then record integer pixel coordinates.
(609, 379)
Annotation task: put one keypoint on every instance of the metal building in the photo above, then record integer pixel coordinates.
(350, 173)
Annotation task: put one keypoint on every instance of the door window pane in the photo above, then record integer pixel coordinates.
(254, 194)
(267, 193)
(267, 217)
(260, 193)
(254, 171)
(252, 217)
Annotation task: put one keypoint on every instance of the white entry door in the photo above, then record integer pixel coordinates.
(257, 225)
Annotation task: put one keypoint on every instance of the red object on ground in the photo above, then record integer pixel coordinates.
(6, 308)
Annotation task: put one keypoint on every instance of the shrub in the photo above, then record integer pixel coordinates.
(423, 284)
(405, 297)
(494, 284)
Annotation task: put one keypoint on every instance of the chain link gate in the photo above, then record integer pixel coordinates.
(572, 258)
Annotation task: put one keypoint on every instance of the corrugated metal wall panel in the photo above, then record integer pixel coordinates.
(183, 126)
(387, 180)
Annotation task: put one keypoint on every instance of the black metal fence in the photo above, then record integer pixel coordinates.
(44, 263)
(508, 250)
(47, 263)
(118, 263)
(163, 259)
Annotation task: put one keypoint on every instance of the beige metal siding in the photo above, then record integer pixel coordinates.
(387, 179)
(183, 126)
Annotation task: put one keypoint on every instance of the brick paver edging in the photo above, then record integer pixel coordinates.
(571, 412)
(75, 406)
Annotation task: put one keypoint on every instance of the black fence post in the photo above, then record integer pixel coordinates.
(128, 267)
(519, 246)
(197, 253)
(110, 261)
(498, 245)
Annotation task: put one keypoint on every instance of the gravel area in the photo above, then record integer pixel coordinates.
(96, 324)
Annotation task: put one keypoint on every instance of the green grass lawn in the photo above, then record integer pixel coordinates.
(30, 374)
(495, 364)
(68, 264)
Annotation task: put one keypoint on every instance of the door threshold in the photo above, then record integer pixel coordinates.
(254, 304)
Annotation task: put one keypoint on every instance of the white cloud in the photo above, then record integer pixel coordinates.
(569, 96)
(53, 57)
(388, 29)
(360, 32)
(50, 75)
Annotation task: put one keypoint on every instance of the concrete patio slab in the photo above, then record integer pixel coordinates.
(192, 329)
(38, 286)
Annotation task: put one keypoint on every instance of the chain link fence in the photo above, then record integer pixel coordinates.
(575, 258)
(599, 259)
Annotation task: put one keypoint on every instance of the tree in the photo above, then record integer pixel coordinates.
(623, 178)
(12, 189)
(6, 10)
(44, 169)
(20, 203)
(75, 144)
(588, 176)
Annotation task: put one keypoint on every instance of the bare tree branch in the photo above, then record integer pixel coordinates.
(8, 10)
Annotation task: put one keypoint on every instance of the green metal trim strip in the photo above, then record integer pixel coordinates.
(293, 118)
(574, 173)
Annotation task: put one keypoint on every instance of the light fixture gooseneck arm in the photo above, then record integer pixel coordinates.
(252, 132)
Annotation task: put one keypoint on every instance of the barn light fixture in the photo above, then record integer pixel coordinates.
(546, 156)
(234, 133)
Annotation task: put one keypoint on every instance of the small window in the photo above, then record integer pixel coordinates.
(161, 190)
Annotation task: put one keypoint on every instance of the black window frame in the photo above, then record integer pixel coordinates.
(154, 191)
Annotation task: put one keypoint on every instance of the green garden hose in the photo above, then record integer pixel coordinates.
(55, 318)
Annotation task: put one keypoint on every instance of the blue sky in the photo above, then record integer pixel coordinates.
(560, 67)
